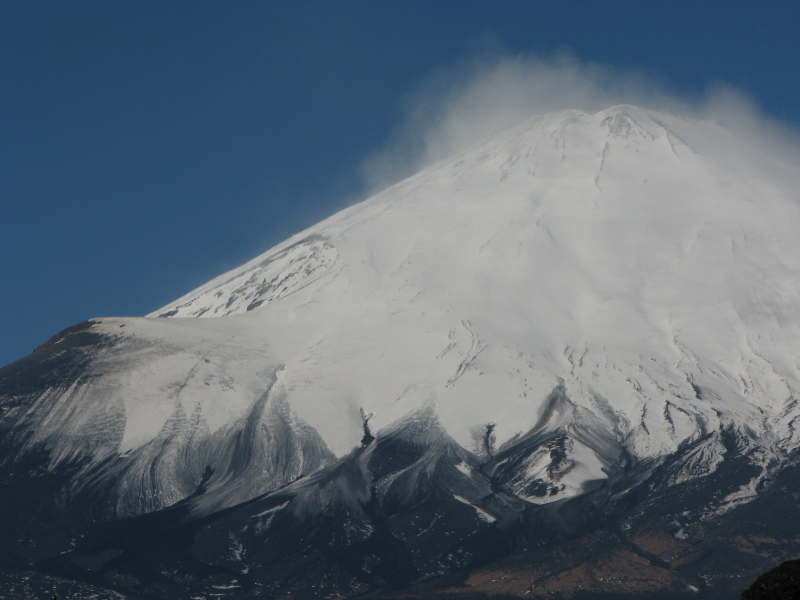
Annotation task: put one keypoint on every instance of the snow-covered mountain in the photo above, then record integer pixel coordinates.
(587, 325)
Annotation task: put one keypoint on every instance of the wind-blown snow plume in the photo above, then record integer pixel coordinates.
(458, 106)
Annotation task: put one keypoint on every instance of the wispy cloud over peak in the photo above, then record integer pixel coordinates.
(458, 106)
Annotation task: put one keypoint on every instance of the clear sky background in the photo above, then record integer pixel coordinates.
(148, 146)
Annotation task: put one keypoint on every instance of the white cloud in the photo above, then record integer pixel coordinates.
(741, 114)
(457, 107)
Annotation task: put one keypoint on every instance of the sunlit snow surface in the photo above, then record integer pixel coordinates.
(636, 255)
(645, 264)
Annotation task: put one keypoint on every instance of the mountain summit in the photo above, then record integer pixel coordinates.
(566, 358)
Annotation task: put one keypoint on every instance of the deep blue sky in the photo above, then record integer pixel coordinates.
(149, 146)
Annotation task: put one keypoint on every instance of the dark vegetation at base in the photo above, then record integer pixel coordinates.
(781, 583)
(31, 585)
(408, 515)
(162, 555)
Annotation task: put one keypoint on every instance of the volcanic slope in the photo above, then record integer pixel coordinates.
(582, 331)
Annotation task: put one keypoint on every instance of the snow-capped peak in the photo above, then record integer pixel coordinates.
(644, 264)
(637, 255)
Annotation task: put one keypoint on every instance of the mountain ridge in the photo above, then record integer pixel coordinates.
(583, 328)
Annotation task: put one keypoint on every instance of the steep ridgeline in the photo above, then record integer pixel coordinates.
(564, 361)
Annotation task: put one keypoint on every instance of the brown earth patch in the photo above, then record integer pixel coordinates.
(669, 549)
(621, 571)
